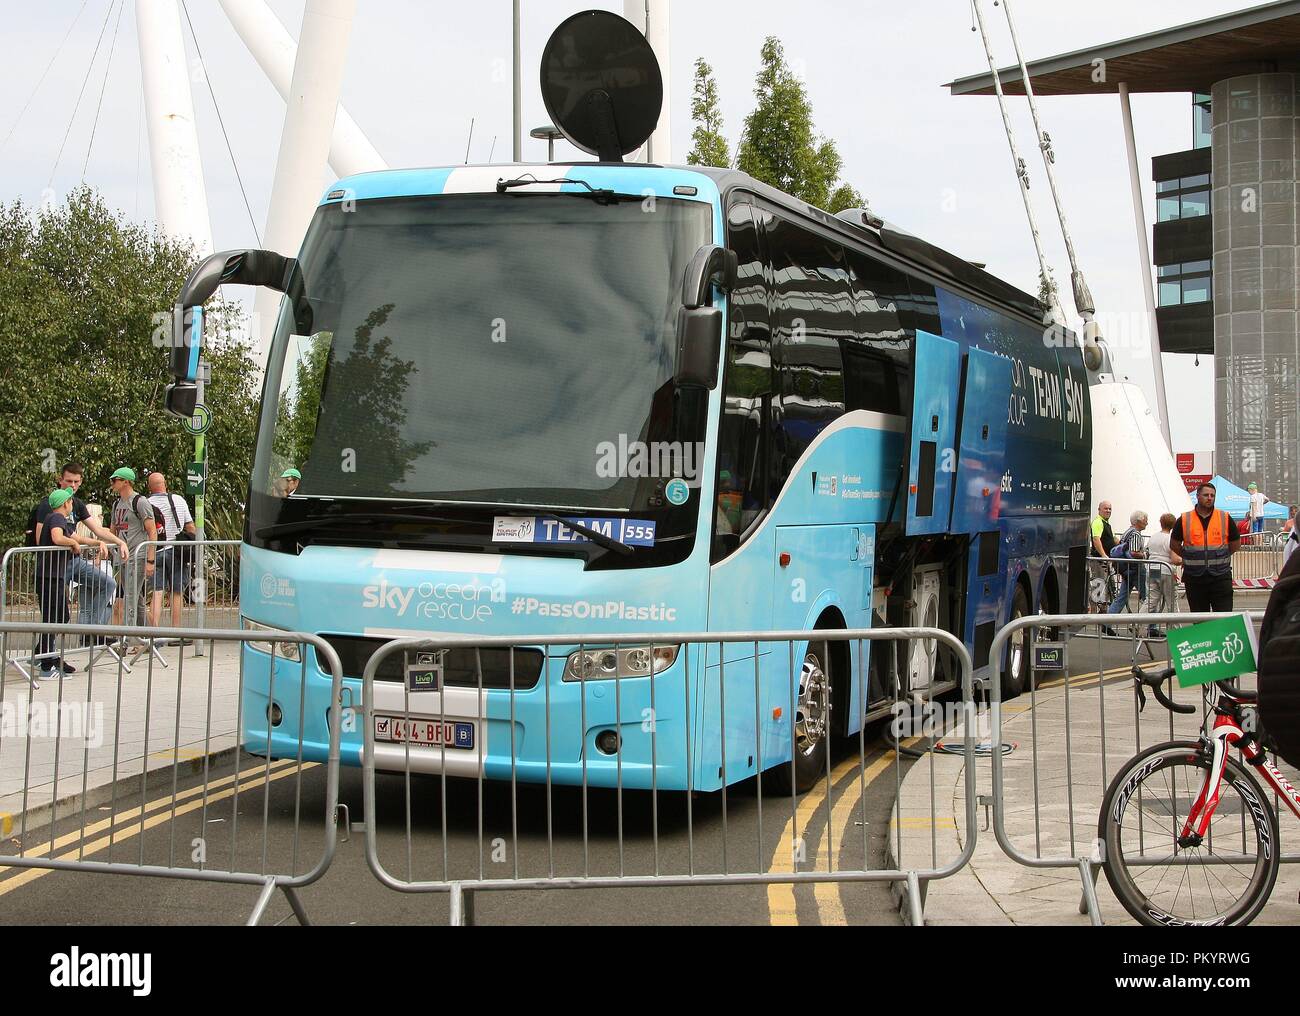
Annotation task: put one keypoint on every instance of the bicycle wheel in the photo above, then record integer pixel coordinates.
(1224, 879)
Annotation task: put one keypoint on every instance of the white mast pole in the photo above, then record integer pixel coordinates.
(305, 141)
(180, 198)
(653, 19)
(517, 86)
(273, 48)
(1022, 173)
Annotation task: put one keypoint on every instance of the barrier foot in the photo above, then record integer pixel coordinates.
(263, 901)
(292, 896)
(462, 907)
(1088, 872)
(915, 900)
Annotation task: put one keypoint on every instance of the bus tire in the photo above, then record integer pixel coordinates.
(812, 724)
(1015, 664)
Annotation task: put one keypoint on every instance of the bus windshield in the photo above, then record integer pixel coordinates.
(482, 349)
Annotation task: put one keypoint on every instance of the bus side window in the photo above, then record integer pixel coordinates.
(876, 358)
(813, 313)
(743, 448)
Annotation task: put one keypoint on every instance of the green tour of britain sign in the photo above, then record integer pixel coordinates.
(195, 474)
(1217, 650)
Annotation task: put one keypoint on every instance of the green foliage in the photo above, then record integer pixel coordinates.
(711, 147)
(80, 294)
(779, 145)
(845, 197)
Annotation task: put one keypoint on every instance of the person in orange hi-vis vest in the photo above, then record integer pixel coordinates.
(1206, 538)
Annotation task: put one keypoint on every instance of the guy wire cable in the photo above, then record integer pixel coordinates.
(1022, 174)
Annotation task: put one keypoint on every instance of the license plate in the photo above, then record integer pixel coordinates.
(436, 733)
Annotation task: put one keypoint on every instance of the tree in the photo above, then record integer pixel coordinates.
(844, 197)
(711, 148)
(779, 146)
(80, 296)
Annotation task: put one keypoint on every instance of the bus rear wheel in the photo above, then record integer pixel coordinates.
(812, 723)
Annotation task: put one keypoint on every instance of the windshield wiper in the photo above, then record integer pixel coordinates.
(599, 539)
(601, 195)
(307, 525)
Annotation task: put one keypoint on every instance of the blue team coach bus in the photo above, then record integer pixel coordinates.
(622, 398)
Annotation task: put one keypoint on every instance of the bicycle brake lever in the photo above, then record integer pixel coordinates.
(1141, 689)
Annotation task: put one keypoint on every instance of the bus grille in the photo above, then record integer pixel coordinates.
(460, 665)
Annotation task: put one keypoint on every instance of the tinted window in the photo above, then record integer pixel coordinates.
(744, 483)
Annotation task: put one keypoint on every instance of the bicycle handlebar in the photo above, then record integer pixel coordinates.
(1154, 682)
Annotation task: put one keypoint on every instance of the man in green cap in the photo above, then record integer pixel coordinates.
(59, 530)
(134, 522)
(288, 482)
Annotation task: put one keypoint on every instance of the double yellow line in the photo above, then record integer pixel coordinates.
(830, 907)
(157, 811)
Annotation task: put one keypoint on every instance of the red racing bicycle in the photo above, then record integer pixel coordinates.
(1189, 835)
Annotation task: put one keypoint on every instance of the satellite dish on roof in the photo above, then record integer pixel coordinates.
(601, 84)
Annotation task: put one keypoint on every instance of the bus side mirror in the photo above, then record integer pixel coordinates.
(699, 323)
(699, 345)
(187, 342)
(182, 399)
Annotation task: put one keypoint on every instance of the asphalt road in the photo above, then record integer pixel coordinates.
(248, 824)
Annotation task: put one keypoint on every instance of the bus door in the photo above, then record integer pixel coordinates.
(977, 492)
(936, 375)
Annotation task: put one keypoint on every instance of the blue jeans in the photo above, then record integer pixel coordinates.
(95, 591)
(1126, 577)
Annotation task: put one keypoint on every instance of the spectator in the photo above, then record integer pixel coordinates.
(95, 586)
(172, 570)
(133, 521)
(1160, 583)
(1257, 502)
(58, 530)
(1103, 539)
(289, 481)
(1206, 538)
(1131, 574)
(1289, 525)
(1290, 545)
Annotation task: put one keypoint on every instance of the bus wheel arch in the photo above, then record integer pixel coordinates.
(821, 684)
(1015, 661)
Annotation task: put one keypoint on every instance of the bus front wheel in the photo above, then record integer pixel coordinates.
(812, 723)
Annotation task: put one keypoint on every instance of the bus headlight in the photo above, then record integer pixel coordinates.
(291, 651)
(608, 664)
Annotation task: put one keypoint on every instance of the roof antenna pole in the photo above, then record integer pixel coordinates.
(1083, 301)
(1055, 314)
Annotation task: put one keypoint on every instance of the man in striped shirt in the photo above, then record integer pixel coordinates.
(171, 573)
(1131, 547)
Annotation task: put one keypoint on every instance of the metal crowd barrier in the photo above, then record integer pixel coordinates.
(1076, 742)
(1260, 556)
(209, 597)
(176, 760)
(735, 693)
(1142, 573)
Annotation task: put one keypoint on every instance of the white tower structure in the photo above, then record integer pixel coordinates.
(180, 198)
(273, 48)
(654, 19)
(305, 142)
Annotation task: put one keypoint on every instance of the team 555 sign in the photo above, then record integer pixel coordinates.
(1217, 650)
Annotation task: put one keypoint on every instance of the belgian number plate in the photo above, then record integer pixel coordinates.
(436, 733)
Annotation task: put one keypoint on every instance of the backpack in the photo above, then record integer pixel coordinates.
(157, 513)
(1279, 664)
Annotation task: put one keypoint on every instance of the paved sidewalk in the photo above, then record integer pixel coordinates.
(993, 888)
(109, 729)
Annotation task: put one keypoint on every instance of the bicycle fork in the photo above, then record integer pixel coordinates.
(1225, 733)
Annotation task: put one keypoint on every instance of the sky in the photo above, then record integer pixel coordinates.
(419, 71)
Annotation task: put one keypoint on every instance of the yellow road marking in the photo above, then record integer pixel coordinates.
(780, 897)
(31, 874)
(47, 848)
(830, 904)
(6, 824)
(923, 822)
